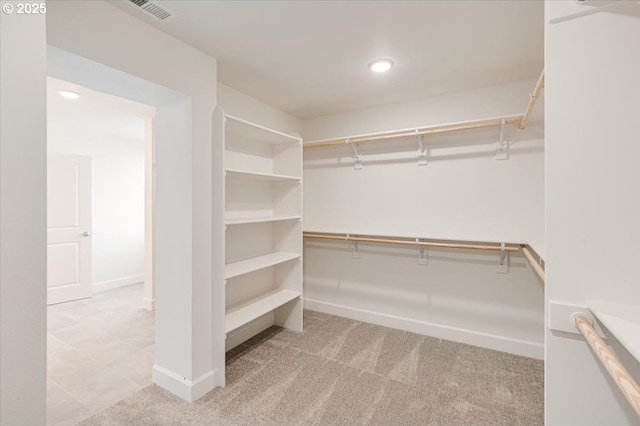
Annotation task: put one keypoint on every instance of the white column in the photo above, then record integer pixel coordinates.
(23, 217)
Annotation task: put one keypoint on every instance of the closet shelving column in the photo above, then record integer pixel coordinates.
(263, 229)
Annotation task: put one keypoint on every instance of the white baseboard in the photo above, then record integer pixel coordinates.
(476, 338)
(149, 304)
(118, 282)
(246, 332)
(189, 390)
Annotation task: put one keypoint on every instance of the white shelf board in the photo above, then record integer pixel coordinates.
(245, 314)
(260, 219)
(256, 263)
(247, 175)
(623, 320)
(256, 132)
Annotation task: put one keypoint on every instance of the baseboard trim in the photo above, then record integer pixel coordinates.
(189, 390)
(149, 304)
(246, 332)
(118, 282)
(490, 341)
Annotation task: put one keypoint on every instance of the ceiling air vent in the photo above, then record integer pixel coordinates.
(154, 9)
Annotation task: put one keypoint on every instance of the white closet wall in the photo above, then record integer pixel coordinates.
(463, 193)
(593, 200)
(183, 358)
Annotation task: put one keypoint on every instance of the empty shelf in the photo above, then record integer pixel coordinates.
(246, 175)
(252, 131)
(622, 320)
(247, 313)
(256, 263)
(260, 219)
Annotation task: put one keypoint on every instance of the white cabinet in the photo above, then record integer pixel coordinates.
(261, 228)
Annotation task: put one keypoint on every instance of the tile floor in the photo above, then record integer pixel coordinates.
(99, 351)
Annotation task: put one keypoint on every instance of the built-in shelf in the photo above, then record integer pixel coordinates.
(260, 219)
(623, 320)
(256, 263)
(255, 132)
(260, 269)
(246, 175)
(238, 317)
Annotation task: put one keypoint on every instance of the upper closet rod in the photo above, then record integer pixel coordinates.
(424, 131)
(533, 97)
(414, 242)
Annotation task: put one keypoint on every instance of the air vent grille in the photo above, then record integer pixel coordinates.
(154, 9)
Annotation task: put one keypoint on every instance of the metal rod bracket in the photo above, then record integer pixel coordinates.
(355, 250)
(422, 151)
(422, 253)
(503, 267)
(357, 161)
(502, 147)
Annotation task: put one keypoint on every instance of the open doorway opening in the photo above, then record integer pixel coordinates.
(100, 330)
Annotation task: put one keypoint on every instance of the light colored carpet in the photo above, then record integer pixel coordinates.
(344, 372)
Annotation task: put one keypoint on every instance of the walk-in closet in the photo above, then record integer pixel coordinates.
(355, 212)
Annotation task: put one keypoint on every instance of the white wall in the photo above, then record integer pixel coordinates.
(22, 219)
(139, 60)
(592, 199)
(117, 198)
(464, 193)
(238, 104)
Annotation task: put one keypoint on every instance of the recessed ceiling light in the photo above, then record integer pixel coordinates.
(69, 94)
(380, 65)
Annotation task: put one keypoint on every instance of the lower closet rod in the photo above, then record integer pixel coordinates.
(534, 264)
(410, 242)
(610, 362)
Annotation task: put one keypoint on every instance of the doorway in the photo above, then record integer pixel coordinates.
(100, 338)
(97, 200)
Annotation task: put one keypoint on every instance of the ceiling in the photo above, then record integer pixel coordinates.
(309, 58)
(95, 112)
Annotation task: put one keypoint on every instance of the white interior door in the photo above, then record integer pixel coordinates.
(68, 227)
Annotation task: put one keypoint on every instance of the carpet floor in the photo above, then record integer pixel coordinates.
(345, 372)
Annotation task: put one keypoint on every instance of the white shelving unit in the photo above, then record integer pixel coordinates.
(261, 229)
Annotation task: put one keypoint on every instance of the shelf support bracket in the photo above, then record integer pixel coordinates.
(502, 147)
(503, 268)
(422, 152)
(357, 161)
(422, 253)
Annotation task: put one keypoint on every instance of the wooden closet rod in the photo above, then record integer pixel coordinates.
(429, 131)
(533, 97)
(610, 362)
(534, 263)
(344, 237)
